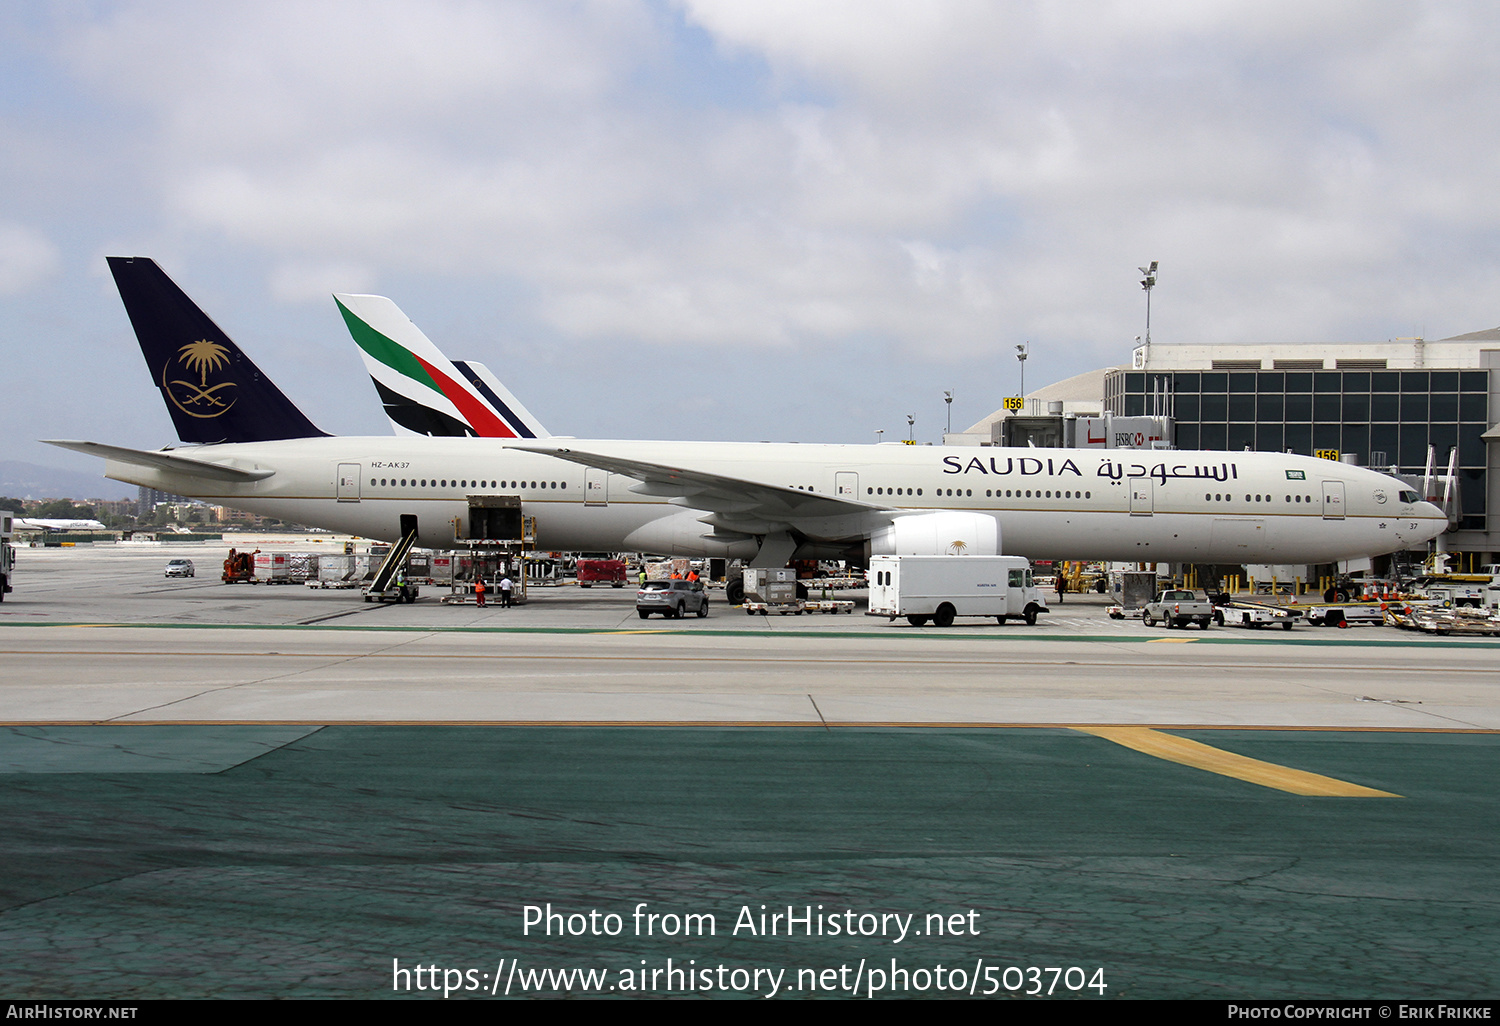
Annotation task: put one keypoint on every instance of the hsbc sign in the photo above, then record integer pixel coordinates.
(1120, 432)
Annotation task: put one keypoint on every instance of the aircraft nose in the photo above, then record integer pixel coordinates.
(1434, 522)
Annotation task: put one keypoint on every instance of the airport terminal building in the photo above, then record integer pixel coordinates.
(1414, 407)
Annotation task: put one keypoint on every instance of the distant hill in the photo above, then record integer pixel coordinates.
(30, 481)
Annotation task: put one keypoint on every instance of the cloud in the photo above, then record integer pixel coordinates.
(27, 258)
(302, 281)
(944, 178)
(244, 77)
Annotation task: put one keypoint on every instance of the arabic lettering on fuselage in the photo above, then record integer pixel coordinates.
(1032, 466)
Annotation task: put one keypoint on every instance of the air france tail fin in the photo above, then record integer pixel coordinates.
(424, 392)
(212, 390)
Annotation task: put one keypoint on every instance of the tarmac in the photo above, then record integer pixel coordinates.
(235, 791)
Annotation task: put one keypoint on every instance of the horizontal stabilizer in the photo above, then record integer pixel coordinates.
(168, 462)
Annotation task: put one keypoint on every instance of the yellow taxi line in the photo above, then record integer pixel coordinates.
(1216, 760)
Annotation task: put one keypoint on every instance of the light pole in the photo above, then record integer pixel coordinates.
(1148, 283)
(948, 398)
(911, 422)
(1022, 351)
(879, 434)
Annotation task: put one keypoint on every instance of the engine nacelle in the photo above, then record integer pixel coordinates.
(940, 533)
(685, 534)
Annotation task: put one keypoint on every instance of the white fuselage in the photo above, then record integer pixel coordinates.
(1160, 505)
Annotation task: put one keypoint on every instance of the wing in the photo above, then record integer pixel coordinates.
(751, 507)
(170, 462)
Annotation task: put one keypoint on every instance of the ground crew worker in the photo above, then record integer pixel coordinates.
(643, 577)
(692, 575)
(479, 590)
(505, 589)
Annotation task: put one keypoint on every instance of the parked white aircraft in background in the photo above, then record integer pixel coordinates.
(763, 502)
(56, 524)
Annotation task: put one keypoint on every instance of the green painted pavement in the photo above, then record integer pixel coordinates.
(303, 863)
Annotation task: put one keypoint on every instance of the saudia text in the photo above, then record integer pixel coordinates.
(1032, 466)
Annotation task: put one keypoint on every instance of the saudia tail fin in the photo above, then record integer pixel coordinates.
(212, 390)
(423, 391)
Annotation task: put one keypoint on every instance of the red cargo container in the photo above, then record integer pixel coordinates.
(604, 571)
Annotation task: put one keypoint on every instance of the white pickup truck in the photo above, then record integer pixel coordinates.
(1177, 608)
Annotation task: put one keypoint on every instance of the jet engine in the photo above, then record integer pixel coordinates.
(685, 534)
(940, 533)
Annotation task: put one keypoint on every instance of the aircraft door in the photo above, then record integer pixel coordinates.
(1141, 496)
(1333, 500)
(846, 484)
(348, 487)
(595, 487)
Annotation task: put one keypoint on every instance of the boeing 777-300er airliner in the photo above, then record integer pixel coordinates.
(252, 449)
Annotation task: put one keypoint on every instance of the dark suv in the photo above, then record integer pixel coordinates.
(671, 599)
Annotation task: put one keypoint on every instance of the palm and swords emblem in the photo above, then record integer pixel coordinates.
(199, 399)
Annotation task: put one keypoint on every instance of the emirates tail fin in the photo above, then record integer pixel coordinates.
(424, 392)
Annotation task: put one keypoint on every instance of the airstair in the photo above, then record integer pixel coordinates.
(380, 585)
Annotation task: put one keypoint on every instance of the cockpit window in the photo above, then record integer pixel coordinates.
(1409, 496)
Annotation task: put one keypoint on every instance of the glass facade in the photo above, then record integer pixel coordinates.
(1386, 417)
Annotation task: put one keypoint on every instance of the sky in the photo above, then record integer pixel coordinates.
(705, 219)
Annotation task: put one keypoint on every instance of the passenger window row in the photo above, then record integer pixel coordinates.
(1216, 497)
(445, 483)
(989, 493)
(1041, 494)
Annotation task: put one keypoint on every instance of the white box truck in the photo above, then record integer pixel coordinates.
(939, 588)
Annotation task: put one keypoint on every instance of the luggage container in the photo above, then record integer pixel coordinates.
(770, 589)
(272, 567)
(335, 568)
(601, 571)
(302, 566)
